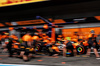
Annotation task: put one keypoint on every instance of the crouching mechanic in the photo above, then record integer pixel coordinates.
(29, 51)
(53, 49)
(35, 39)
(69, 45)
(16, 47)
(22, 49)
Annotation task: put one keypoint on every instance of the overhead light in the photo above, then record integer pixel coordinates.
(14, 23)
(82, 19)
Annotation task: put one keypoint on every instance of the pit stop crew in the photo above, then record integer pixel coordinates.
(29, 50)
(92, 43)
(53, 49)
(69, 45)
(16, 47)
(35, 39)
(26, 38)
(4, 41)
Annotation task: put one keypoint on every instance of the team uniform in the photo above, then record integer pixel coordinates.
(29, 50)
(16, 47)
(92, 41)
(53, 49)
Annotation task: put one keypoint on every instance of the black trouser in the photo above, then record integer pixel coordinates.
(0, 43)
(85, 47)
(47, 48)
(42, 47)
(34, 43)
(16, 50)
(52, 53)
(28, 52)
(91, 44)
(10, 51)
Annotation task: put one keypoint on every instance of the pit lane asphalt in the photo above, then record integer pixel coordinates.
(47, 60)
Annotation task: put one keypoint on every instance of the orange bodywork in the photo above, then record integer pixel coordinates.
(55, 48)
(75, 45)
(16, 45)
(59, 38)
(85, 43)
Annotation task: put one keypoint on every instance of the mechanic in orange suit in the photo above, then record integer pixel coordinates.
(27, 37)
(13, 36)
(92, 43)
(35, 39)
(55, 50)
(16, 47)
(45, 36)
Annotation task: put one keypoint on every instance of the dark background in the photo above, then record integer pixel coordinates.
(56, 9)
